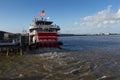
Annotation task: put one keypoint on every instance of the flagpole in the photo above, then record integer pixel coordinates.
(42, 14)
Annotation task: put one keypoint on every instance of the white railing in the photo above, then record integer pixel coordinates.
(43, 26)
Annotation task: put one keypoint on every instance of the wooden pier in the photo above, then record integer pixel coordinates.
(14, 47)
(10, 48)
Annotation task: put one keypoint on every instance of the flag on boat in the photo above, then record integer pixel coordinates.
(42, 13)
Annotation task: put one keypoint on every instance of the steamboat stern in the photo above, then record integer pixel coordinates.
(43, 33)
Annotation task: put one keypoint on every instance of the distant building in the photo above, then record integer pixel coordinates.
(1, 35)
(8, 37)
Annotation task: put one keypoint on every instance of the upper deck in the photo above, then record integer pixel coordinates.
(41, 22)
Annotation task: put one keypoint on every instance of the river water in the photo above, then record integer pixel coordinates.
(80, 58)
(78, 43)
(102, 51)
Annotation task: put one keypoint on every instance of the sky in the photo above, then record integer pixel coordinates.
(73, 16)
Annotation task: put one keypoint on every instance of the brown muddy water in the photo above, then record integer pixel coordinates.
(64, 65)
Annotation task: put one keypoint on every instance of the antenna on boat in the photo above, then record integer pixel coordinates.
(24, 31)
(34, 19)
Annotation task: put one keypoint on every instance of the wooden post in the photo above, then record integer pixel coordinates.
(0, 50)
(29, 39)
(20, 41)
(7, 52)
(21, 52)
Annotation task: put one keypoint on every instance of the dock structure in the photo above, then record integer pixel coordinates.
(10, 48)
(14, 47)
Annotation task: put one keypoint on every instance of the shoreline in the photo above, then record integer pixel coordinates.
(66, 35)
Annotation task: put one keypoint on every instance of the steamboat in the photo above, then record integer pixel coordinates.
(43, 33)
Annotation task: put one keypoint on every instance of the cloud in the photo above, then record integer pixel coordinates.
(75, 23)
(103, 18)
